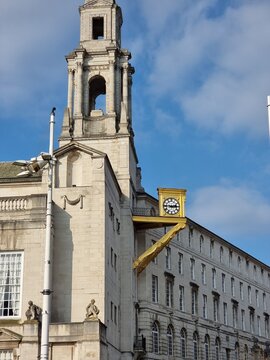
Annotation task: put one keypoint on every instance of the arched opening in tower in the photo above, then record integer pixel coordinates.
(97, 92)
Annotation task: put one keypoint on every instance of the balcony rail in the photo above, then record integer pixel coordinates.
(145, 212)
(13, 204)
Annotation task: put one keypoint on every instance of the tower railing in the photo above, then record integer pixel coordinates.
(138, 211)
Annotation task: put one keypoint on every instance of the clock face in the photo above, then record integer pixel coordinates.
(171, 206)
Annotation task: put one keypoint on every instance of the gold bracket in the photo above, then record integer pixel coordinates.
(143, 260)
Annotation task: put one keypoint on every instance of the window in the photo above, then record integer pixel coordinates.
(232, 287)
(115, 262)
(170, 340)
(259, 331)
(190, 237)
(230, 258)
(98, 28)
(6, 354)
(97, 90)
(262, 276)
(243, 320)
(236, 352)
(155, 258)
(247, 266)
(180, 263)
(246, 352)
(223, 283)
(266, 326)
(192, 268)
(251, 321)
(214, 278)
(194, 301)
(221, 254)
(235, 316)
(239, 263)
(212, 249)
(255, 272)
(154, 288)
(181, 298)
(169, 292)
(217, 349)
(115, 315)
(207, 347)
(257, 298)
(204, 309)
(203, 274)
(195, 346)
(111, 310)
(168, 258)
(216, 308)
(241, 291)
(225, 313)
(264, 301)
(183, 339)
(155, 338)
(201, 244)
(249, 295)
(10, 283)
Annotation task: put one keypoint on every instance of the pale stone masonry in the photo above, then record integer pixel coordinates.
(201, 298)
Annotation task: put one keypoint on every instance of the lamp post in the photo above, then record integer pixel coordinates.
(46, 308)
(30, 168)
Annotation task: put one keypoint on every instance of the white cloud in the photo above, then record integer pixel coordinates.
(167, 124)
(215, 68)
(231, 210)
(33, 40)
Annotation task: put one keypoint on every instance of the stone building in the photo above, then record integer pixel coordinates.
(200, 298)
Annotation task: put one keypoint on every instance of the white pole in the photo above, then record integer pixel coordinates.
(268, 108)
(46, 309)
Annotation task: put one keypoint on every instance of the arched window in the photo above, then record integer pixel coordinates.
(183, 339)
(239, 263)
(212, 247)
(207, 347)
(170, 340)
(155, 338)
(221, 254)
(97, 94)
(201, 244)
(195, 346)
(217, 349)
(246, 352)
(236, 351)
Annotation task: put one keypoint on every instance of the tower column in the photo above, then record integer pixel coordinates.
(86, 95)
(112, 89)
(125, 86)
(70, 90)
(78, 108)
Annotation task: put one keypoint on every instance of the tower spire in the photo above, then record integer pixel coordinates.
(99, 75)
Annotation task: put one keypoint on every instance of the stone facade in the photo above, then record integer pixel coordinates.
(174, 306)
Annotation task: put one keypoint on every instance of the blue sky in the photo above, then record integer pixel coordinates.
(199, 99)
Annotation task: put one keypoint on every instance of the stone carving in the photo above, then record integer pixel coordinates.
(92, 311)
(73, 202)
(33, 312)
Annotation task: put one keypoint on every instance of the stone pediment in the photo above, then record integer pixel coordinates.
(97, 3)
(9, 336)
(63, 150)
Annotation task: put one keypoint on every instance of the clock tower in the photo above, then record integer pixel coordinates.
(99, 76)
(98, 111)
(97, 162)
